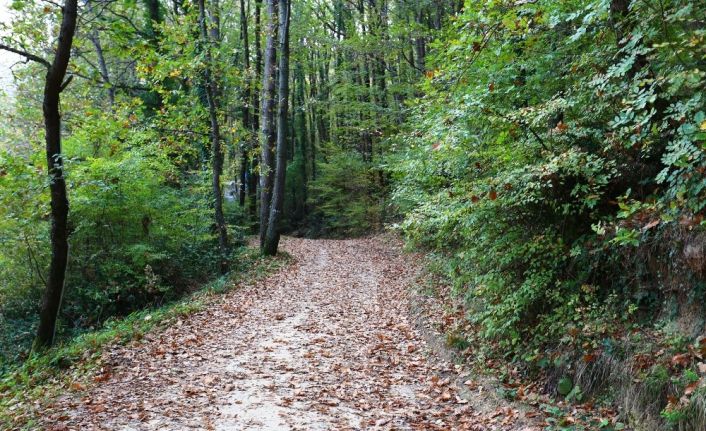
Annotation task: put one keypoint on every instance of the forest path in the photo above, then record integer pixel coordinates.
(326, 343)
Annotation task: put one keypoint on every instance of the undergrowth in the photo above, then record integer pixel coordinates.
(603, 373)
(554, 167)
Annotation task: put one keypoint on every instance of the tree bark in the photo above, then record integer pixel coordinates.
(211, 89)
(313, 114)
(302, 141)
(103, 66)
(254, 179)
(420, 48)
(619, 10)
(247, 99)
(267, 131)
(272, 235)
(153, 17)
(243, 175)
(51, 301)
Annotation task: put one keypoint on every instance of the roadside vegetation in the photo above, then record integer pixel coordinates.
(554, 170)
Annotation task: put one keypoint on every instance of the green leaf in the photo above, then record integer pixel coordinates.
(565, 386)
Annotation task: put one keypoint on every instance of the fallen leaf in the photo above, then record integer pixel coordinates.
(691, 387)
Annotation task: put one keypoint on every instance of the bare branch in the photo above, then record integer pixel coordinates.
(26, 55)
(116, 84)
(410, 62)
(55, 4)
(34, 259)
(66, 83)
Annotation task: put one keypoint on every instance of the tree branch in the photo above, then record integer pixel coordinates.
(26, 55)
(410, 62)
(66, 83)
(113, 84)
(130, 22)
(522, 123)
(34, 259)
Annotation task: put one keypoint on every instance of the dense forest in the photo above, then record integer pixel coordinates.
(547, 158)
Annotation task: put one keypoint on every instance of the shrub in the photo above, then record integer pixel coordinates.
(546, 150)
(343, 198)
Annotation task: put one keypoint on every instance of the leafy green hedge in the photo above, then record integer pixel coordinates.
(554, 138)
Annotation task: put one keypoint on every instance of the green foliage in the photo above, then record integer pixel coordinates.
(343, 196)
(553, 139)
(137, 170)
(136, 239)
(565, 386)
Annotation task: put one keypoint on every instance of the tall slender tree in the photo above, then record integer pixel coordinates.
(212, 92)
(254, 176)
(267, 120)
(154, 18)
(54, 84)
(245, 108)
(272, 234)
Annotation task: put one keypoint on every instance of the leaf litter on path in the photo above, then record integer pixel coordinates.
(327, 343)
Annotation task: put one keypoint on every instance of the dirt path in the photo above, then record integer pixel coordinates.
(327, 343)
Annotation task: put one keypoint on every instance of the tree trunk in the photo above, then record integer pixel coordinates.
(302, 142)
(254, 168)
(313, 116)
(267, 131)
(420, 43)
(216, 151)
(153, 18)
(103, 66)
(243, 175)
(623, 24)
(272, 235)
(247, 99)
(619, 10)
(51, 302)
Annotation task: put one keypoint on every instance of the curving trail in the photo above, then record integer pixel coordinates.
(328, 343)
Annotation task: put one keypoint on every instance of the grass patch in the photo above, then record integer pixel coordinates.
(26, 389)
